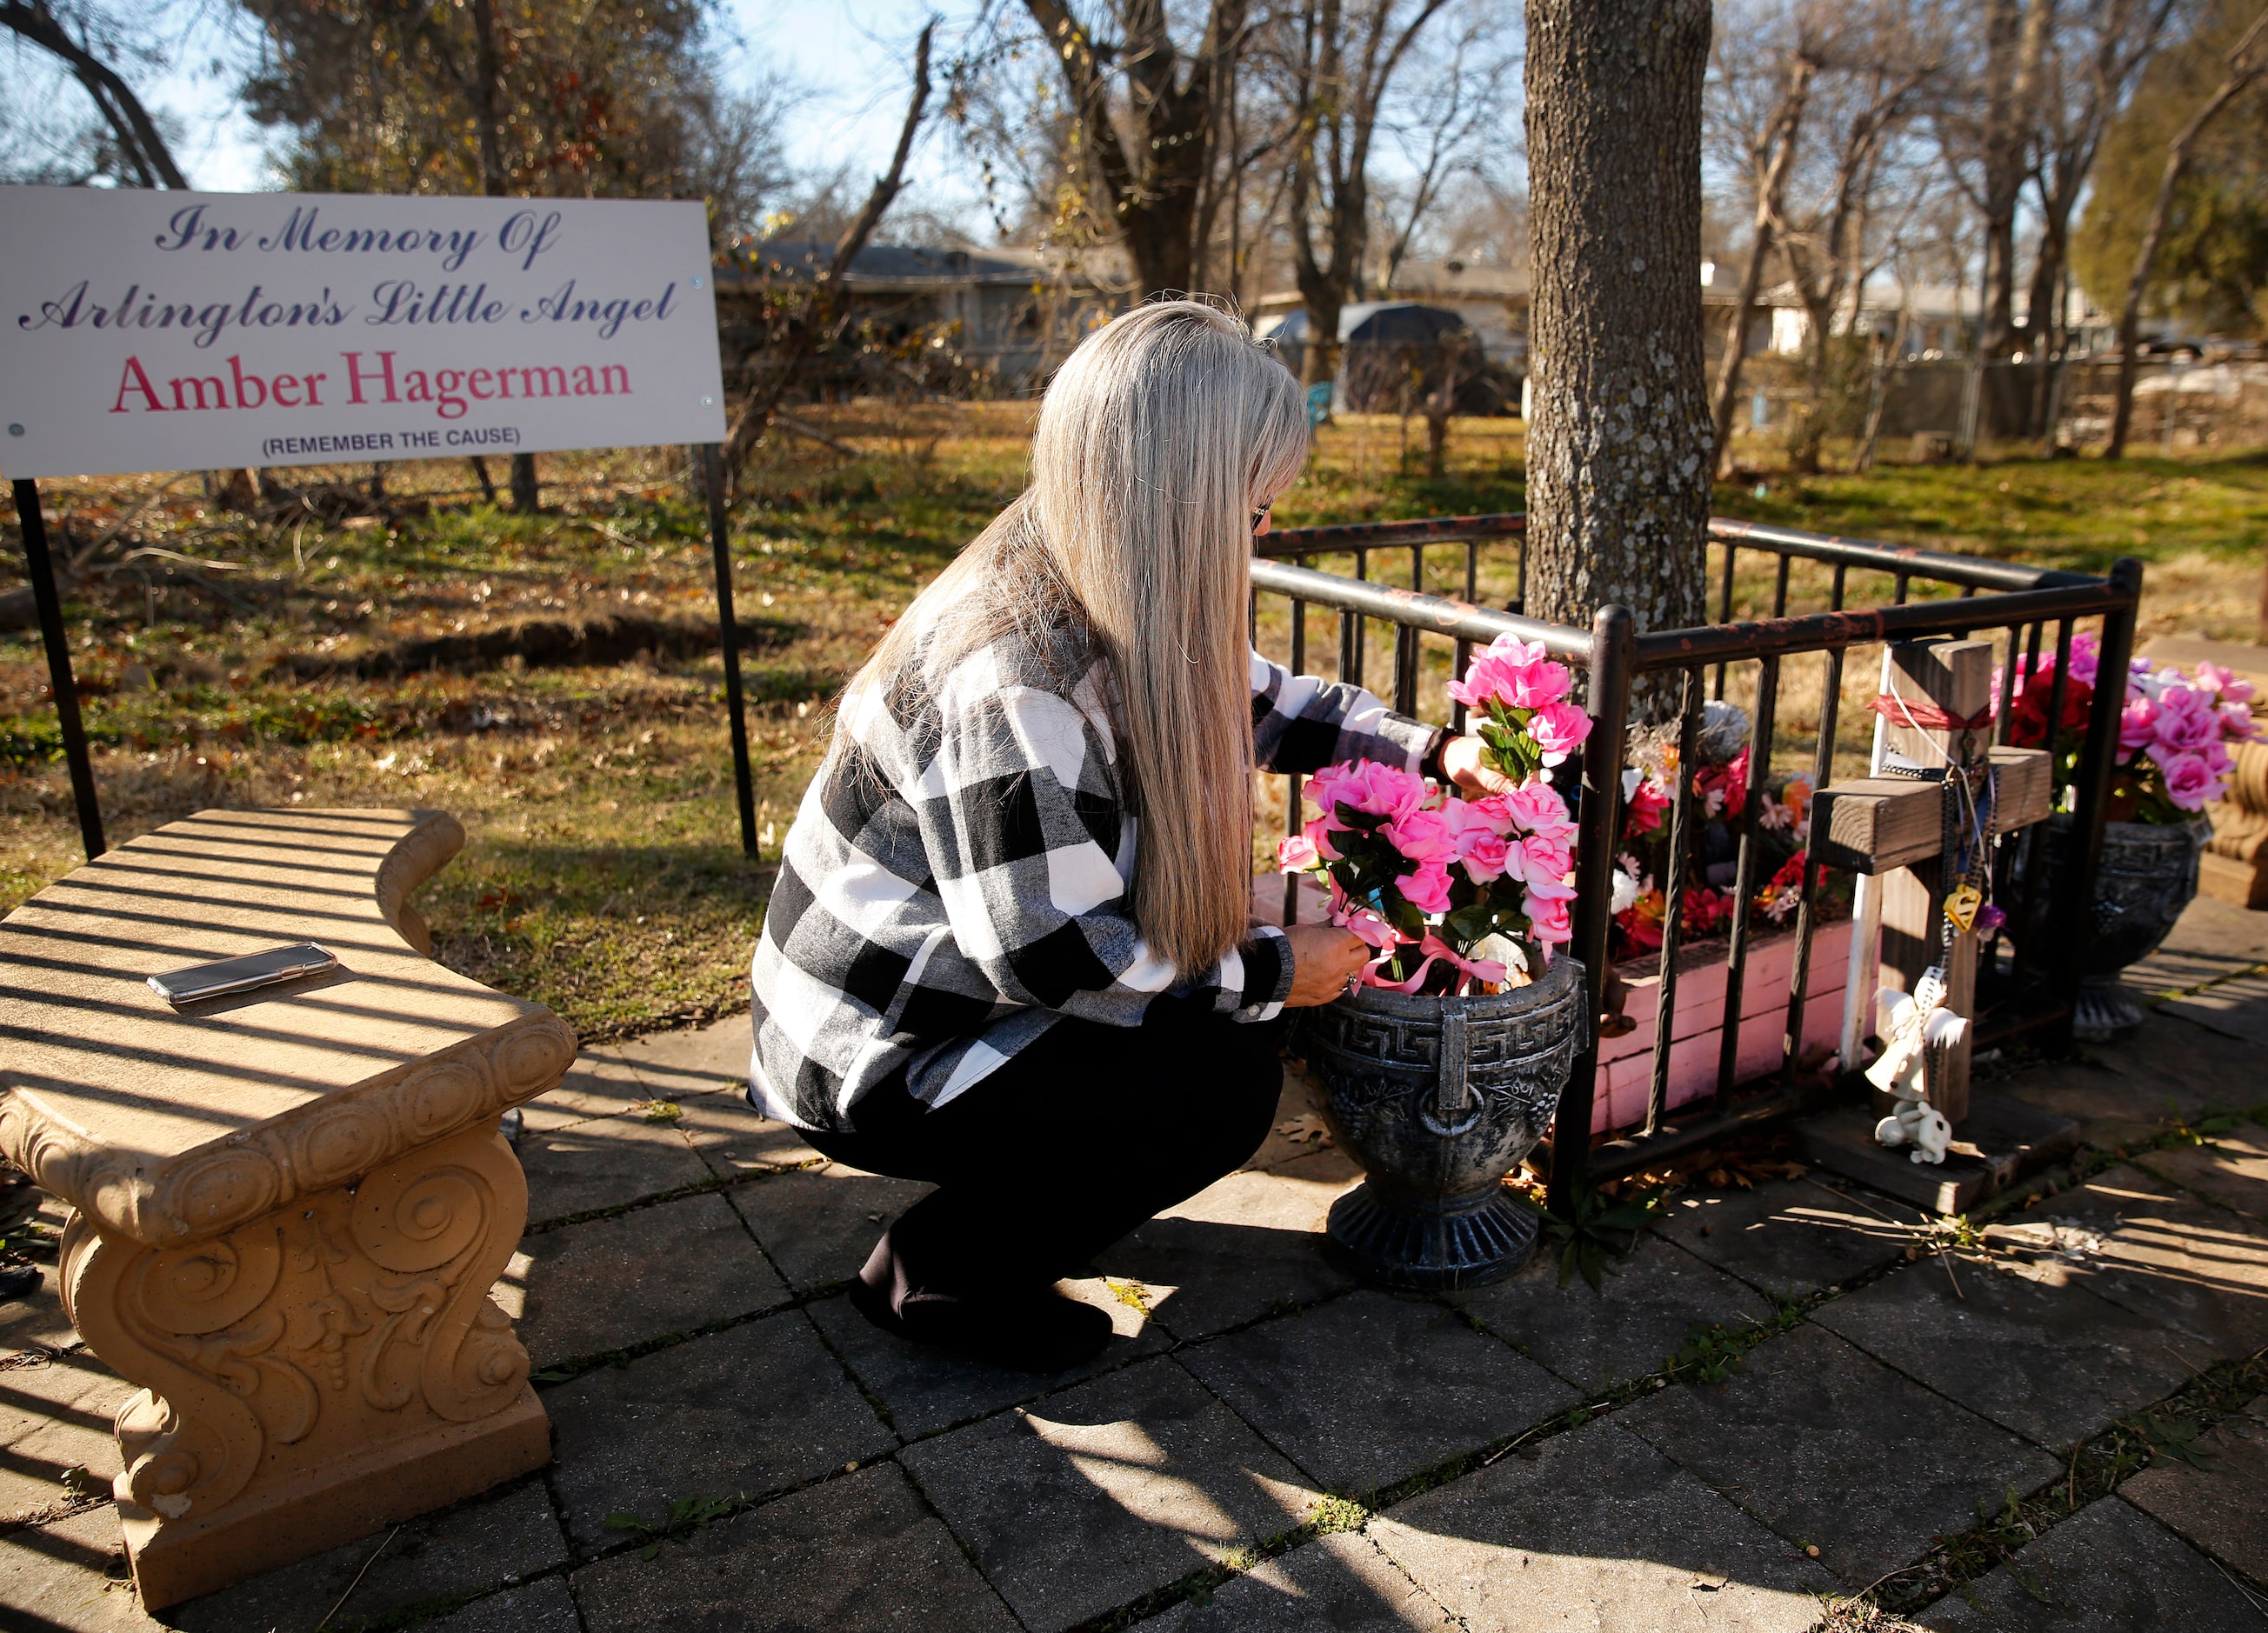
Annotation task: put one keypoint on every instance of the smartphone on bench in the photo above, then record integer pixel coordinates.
(241, 974)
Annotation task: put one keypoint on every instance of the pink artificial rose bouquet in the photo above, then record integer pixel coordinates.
(1455, 895)
(2173, 730)
(1518, 698)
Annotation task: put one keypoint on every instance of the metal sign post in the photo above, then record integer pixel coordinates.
(50, 607)
(728, 638)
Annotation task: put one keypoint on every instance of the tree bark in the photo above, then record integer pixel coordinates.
(2017, 33)
(480, 91)
(1619, 453)
(2244, 67)
(1149, 186)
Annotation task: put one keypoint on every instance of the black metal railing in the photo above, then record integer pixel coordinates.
(2021, 603)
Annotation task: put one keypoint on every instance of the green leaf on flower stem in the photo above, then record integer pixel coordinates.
(1468, 925)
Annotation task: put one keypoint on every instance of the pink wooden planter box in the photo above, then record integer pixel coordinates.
(1697, 1030)
(1626, 1064)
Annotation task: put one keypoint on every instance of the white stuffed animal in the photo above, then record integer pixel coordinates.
(1914, 1026)
(1917, 1124)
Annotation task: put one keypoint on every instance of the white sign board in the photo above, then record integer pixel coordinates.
(157, 331)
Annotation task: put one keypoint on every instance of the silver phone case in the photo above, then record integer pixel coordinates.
(190, 986)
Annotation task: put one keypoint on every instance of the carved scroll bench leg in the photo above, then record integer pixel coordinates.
(308, 1377)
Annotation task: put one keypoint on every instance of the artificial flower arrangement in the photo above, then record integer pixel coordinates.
(1720, 798)
(2174, 731)
(1457, 895)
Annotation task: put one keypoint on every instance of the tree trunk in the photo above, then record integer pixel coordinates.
(2017, 33)
(2243, 69)
(1810, 431)
(1771, 185)
(488, 75)
(1619, 453)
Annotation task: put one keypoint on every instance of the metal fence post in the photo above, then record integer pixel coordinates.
(49, 605)
(2095, 762)
(728, 637)
(1614, 646)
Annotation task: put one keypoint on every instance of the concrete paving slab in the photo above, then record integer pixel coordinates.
(544, 1606)
(751, 1409)
(596, 1287)
(2233, 1170)
(1828, 1446)
(2213, 939)
(1644, 1315)
(926, 1390)
(434, 1560)
(2179, 1068)
(736, 1140)
(1243, 1247)
(71, 1577)
(599, 1083)
(1296, 1130)
(1791, 1237)
(2106, 1570)
(56, 1414)
(2223, 1508)
(1336, 1584)
(2198, 1271)
(693, 1062)
(1595, 1530)
(1088, 1500)
(1372, 1388)
(818, 1225)
(604, 1162)
(36, 1320)
(2040, 1354)
(2236, 1008)
(2113, 1105)
(855, 1555)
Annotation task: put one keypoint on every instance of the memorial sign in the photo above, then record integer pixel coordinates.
(144, 330)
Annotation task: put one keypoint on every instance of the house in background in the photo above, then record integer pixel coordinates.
(1008, 316)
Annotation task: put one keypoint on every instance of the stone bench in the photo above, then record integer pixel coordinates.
(291, 1203)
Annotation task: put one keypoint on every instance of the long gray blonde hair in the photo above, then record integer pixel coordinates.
(1158, 439)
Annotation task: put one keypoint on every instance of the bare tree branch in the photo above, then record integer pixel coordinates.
(130, 124)
(823, 318)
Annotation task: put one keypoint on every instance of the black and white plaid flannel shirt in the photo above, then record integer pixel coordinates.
(960, 878)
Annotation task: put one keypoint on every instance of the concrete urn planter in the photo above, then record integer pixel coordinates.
(1439, 1098)
(2149, 875)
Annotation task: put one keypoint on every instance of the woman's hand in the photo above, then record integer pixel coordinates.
(1324, 958)
(1466, 761)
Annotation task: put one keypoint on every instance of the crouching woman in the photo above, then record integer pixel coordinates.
(1009, 951)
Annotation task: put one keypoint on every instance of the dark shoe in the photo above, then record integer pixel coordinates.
(1034, 1332)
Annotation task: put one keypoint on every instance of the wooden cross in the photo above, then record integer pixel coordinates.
(1894, 827)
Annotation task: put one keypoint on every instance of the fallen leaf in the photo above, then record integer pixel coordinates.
(1305, 1126)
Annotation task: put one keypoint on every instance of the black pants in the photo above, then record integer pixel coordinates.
(1066, 1148)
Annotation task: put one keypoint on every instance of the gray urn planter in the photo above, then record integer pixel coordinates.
(1439, 1098)
(2149, 875)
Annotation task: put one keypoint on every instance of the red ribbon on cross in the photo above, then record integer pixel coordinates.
(1920, 712)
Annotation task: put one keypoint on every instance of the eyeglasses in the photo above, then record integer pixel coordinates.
(1261, 515)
